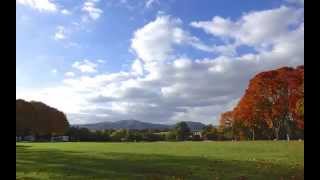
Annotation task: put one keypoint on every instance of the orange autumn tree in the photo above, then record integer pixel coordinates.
(273, 102)
(226, 119)
(296, 104)
(227, 125)
(249, 111)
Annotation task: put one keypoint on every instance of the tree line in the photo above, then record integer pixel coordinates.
(181, 132)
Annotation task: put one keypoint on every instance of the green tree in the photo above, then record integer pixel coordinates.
(182, 131)
(118, 135)
(171, 135)
(153, 136)
(210, 133)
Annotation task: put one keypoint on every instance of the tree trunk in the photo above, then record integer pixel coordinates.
(253, 134)
(289, 120)
(277, 129)
(277, 133)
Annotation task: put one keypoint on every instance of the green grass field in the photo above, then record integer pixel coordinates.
(162, 160)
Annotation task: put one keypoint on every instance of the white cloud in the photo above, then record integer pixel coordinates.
(55, 97)
(101, 61)
(69, 74)
(54, 71)
(60, 33)
(164, 86)
(40, 5)
(150, 3)
(85, 66)
(137, 67)
(218, 26)
(257, 28)
(65, 12)
(156, 40)
(93, 12)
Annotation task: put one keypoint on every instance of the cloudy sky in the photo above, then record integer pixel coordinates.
(158, 61)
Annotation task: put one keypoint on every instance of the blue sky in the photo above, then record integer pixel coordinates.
(108, 56)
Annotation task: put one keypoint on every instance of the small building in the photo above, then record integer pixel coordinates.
(29, 138)
(197, 133)
(60, 138)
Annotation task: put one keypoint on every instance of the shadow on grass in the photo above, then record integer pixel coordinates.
(55, 164)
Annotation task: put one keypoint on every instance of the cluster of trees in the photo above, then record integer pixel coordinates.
(38, 119)
(217, 133)
(84, 134)
(181, 132)
(271, 108)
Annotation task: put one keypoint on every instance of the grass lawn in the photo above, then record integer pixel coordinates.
(161, 160)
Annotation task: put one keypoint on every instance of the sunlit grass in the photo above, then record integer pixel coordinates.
(161, 160)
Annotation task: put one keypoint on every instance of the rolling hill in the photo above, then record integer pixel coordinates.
(135, 124)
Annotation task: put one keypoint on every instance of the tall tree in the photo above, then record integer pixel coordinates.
(273, 100)
(37, 118)
(182, 131)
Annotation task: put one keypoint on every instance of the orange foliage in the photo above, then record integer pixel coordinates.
(226, 119)
(271, 97)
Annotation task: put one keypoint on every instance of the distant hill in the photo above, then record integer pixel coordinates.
(135, 124)
(123, 124)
